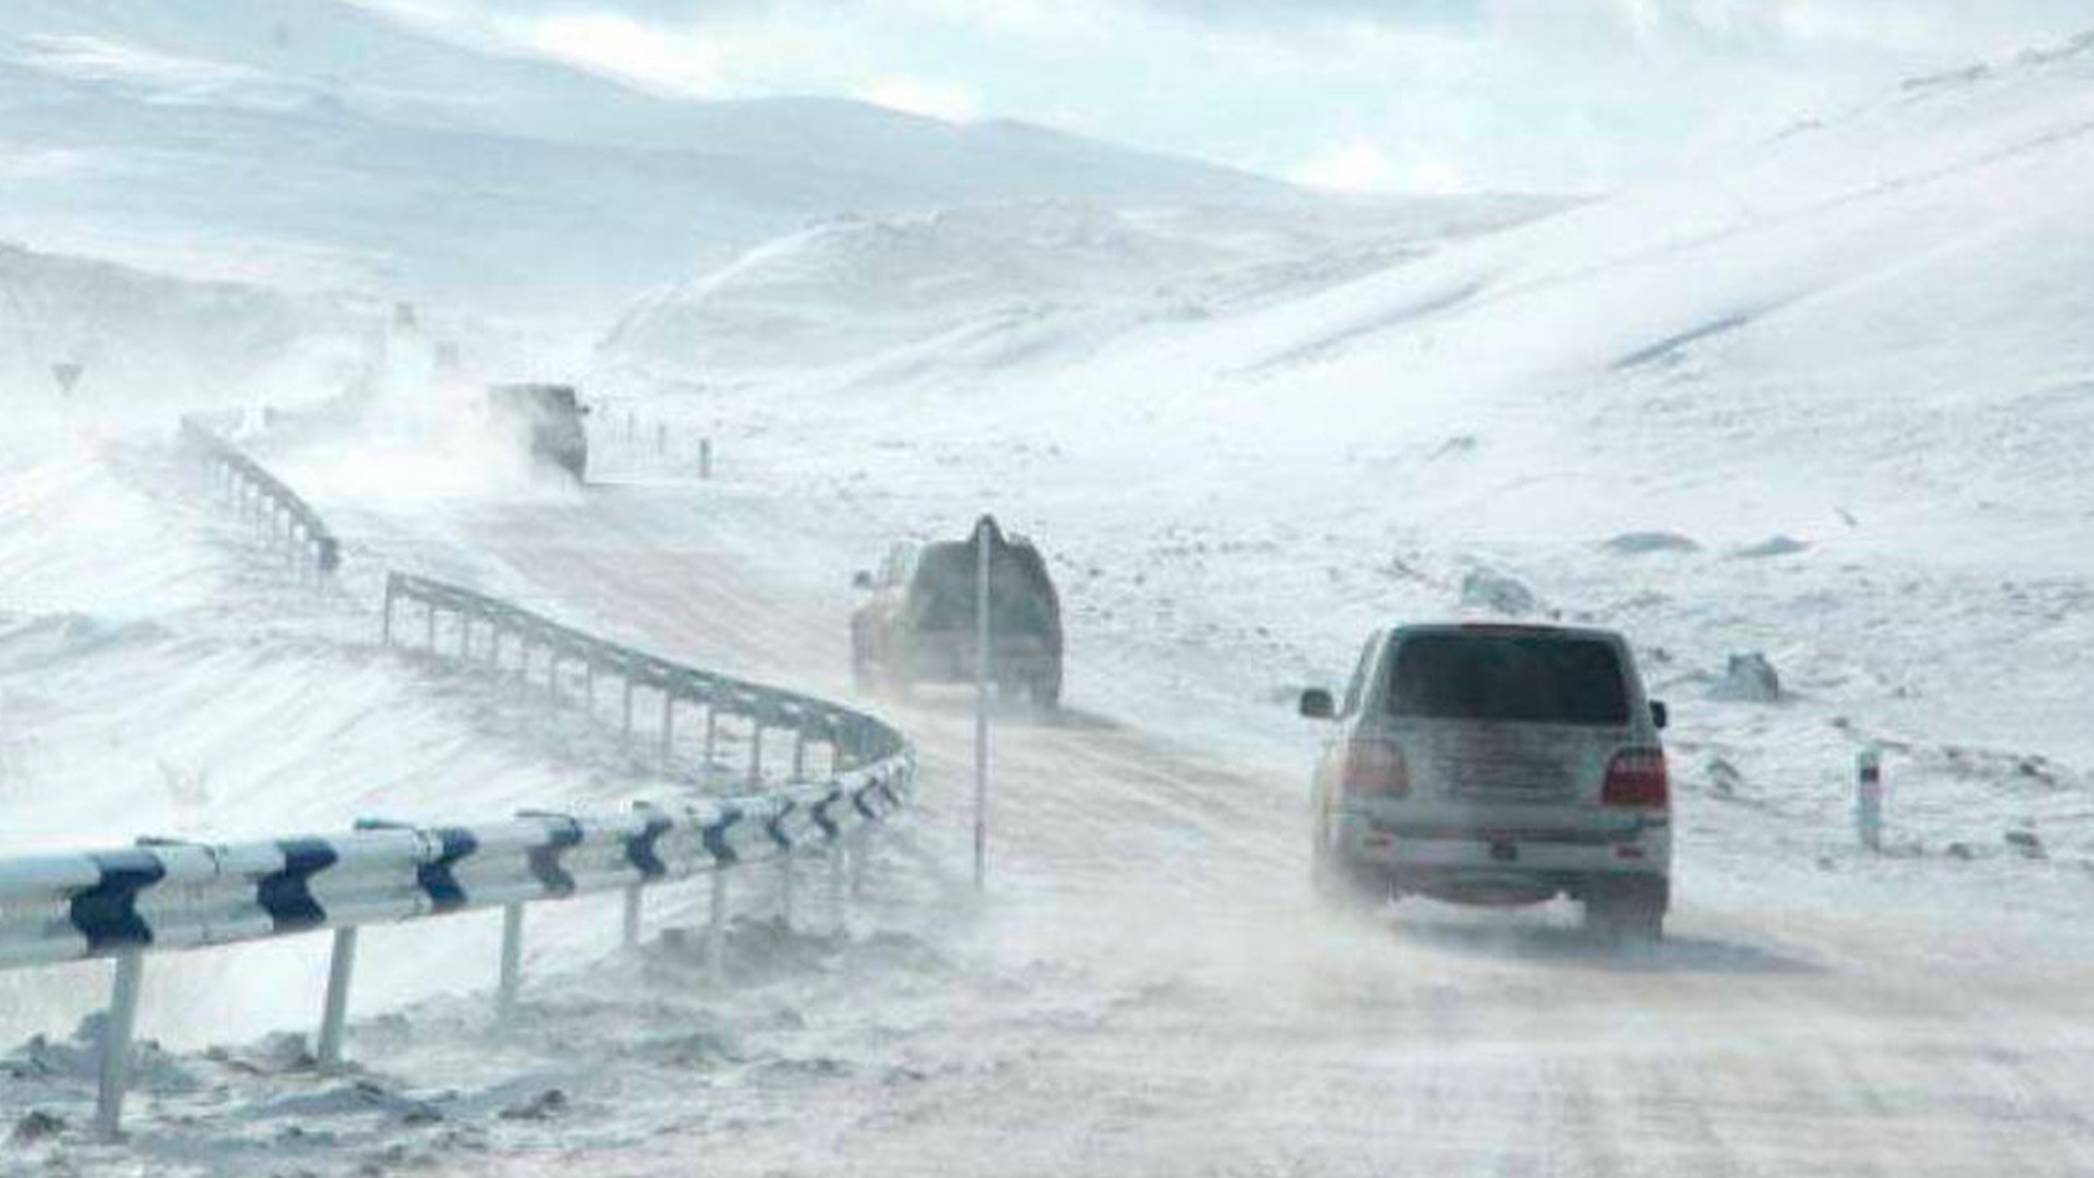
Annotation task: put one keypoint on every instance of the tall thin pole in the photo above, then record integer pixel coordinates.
(982, 530)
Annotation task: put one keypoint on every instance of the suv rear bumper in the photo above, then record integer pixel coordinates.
(935, 659)
(1518, 864)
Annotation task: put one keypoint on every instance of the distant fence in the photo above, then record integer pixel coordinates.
(164, 895)
(287, 520)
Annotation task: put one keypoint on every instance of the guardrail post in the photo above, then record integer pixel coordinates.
(465, 636)
(115, 1070)
(668, 726)
(512, 959)
(799, 754)
(712, 730)
(589, 684)
(716, 929)
(625, 721)
(756, 750)
(334, 1013)
(632, 915)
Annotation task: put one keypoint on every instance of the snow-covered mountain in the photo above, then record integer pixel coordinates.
(1028, 281)
(1849, 368)
(323, 144)
(1826, 399)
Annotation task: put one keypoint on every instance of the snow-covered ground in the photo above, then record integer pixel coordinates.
(1849, 369)
(134, 338)
(1824, 400)
(162, 675)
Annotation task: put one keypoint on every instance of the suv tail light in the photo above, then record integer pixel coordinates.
(1636, 777)
(1375, 769)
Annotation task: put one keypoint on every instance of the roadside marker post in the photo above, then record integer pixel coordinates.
(1868, 798)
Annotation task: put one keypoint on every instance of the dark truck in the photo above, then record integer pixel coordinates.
(545, 417)
(919, 625)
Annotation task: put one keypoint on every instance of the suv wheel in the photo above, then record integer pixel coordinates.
(1046, 695)
(1628, 910)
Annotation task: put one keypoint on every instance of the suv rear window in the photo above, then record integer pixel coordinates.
(944, 589)
(1531, 678)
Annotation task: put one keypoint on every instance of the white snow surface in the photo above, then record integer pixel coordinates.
(1868, 335)
(1023, 283)
(1824, 400)
(141, 338)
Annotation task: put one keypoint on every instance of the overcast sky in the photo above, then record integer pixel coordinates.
(1401, 95)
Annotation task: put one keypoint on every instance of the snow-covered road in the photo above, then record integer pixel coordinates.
(1150, 991)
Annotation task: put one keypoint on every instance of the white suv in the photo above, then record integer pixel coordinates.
(1497, 765)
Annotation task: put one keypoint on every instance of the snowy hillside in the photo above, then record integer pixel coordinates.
(1824, 400)
(142, 339)
(322, 145)
(1024, 282)
(1846, 376)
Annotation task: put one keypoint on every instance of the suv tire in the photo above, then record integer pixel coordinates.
(1046, 695)
(1626, 911)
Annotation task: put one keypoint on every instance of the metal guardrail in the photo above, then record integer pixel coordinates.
(513, 635)
(130, 902)
(275, 508)
(163, 895)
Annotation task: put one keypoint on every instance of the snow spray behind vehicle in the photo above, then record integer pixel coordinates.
(546, 418)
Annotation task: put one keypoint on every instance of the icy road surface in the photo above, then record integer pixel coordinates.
(1151, 991)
